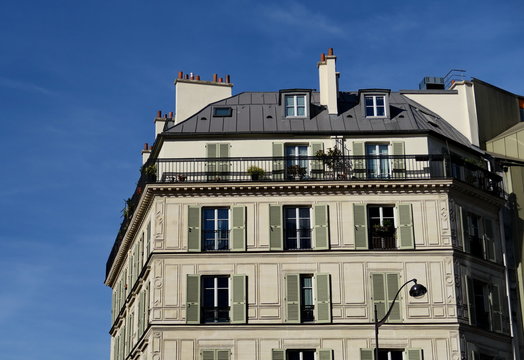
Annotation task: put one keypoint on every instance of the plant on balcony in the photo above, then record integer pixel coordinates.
(149, 172)
(386, 229)
(255, 172)
(334, 160)
(296, 171)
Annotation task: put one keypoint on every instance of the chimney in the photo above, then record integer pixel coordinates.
(193, 94)
(328, 80)
(159, 122)
(145, 153)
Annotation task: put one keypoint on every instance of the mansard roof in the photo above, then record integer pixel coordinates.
(263, 113)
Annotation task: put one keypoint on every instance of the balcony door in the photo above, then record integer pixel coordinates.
(377, 161)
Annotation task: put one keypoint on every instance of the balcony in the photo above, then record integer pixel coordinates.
(306, 169)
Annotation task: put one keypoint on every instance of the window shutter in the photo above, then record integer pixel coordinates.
(222, 355)
(359, 162)
(208, 354)
(321, 227)
(146, 310)
(223, 152)
(238, 302)
(460, 227)
(275, 227)
(379, 294)
(194, 231)
(325, 354)
(212, 153)
(278, 161)
(193, 299)
(414, 354)
(277, 354)
(148, 239)
(317, 165)
(466, 231)
(392, 281)
(323, 298)
(399, 160)
(238, 229)
(361, 226)
(292, 298)
(366, 354)
(496, 309)
(140, 309)
(489, 240)
(405, 226)
(470, 300)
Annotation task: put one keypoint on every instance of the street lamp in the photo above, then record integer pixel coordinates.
(417, 291)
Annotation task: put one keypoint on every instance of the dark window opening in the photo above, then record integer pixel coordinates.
(480, 301)
(300, 355)
(307, 311)
(215, 299)
(222, 112)
(215, 233)
(297, 223)
(382, 231)
(390, 354)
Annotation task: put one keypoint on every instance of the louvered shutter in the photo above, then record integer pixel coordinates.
(275, 227)
(323, 298)
(278, 354)
(148, 239)
(496, 309)
(224, 164)
(366, 354)
(292, 298)
(325, 354)
(466, 231)
(379, 294)
(399, 160)
(414, 354)
(238, 302)
(317, 165)
(238, 230)
(359, 161)
(361, 227)
(321, 227)
(208, 354)
(489, 240)
(460, 227)
(470, 293)
(193, 299)
(405, 226)
(392, 281)
(278, 161)
(222, 354)
(212, 164)
(194, 229)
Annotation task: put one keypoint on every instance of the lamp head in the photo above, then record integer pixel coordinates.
(418, 290)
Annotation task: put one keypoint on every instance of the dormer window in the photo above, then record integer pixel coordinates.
(222, 112)
(295, 105)
(375, 105)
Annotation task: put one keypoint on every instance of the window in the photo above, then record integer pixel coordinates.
(484, 305)
(302, 354)
(375, 105)
(296, 161)
(382, 227)
(295, 105)
(297, 222)
(217, 166)
(222, 112)
(385, 287)
(214, 299)
(216, 229)
(377, 160)
(215, 354)
(392, 354)
(479, 235)
(308, 298)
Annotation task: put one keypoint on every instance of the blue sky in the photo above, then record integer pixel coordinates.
(80, 82)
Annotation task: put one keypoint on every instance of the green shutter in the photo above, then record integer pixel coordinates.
(208, 354)
(325, 354)
(222, 355)
(323, 298)
(194, 232)
(496, 309)
(238, 229)
(278, 354)
(361, 226)
(278, 161)
(392, 281)
(470, 293)
(224, 165)
(238, 304)
(489, 240)
(140, 309)
(292, 298)
(321, 227)
(399, 160)
(275, 227)
(317, 165)
(148, 239)
(212, 153)
(405, 226)
(414, 354)
(359, 162)
(193, 299)
(379, 294)
(366, 354)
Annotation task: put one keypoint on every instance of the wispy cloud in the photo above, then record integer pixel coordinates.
(25, 86)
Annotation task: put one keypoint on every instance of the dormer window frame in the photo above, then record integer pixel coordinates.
(295, 94)
(375, 106)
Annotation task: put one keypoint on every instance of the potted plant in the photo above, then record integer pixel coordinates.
(255, 172)
(296, 171)
(386, 229)
(334, 160)
(149, 172)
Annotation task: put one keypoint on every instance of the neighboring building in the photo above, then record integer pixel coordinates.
(269, 225)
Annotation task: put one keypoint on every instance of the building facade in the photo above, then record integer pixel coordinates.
(270, 226)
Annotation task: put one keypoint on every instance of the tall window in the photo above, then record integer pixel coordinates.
(297, 228)
(296, 161)
(215, 299)
(295, 105)
(375, 105)
(390, 354)
(381, 221)
(215, 229)
(377, 160)
(300, 355)
(307, 308)
(472, 234)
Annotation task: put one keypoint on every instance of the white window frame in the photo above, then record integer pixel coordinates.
(295, 105)
(301, 353)
(215, 227)
(375, 105)
(297, 227)
(215, 289)
(378, 160)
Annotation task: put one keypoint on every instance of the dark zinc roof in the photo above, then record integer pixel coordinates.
(260, 112)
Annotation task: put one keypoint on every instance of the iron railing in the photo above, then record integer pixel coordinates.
(307, 168)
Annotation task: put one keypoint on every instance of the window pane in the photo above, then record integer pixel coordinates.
(301, 111)
(380, 111)
(302, 150)
(223, 298)
(289, 100)
(369, 101)
(380, 100)
(301, 100)
(290, 111)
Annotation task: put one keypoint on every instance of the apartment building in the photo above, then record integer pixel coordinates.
(271, 225)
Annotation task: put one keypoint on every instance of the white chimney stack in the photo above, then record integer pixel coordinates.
(328, 79)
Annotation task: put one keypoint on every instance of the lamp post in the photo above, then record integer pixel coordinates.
(416, 291)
